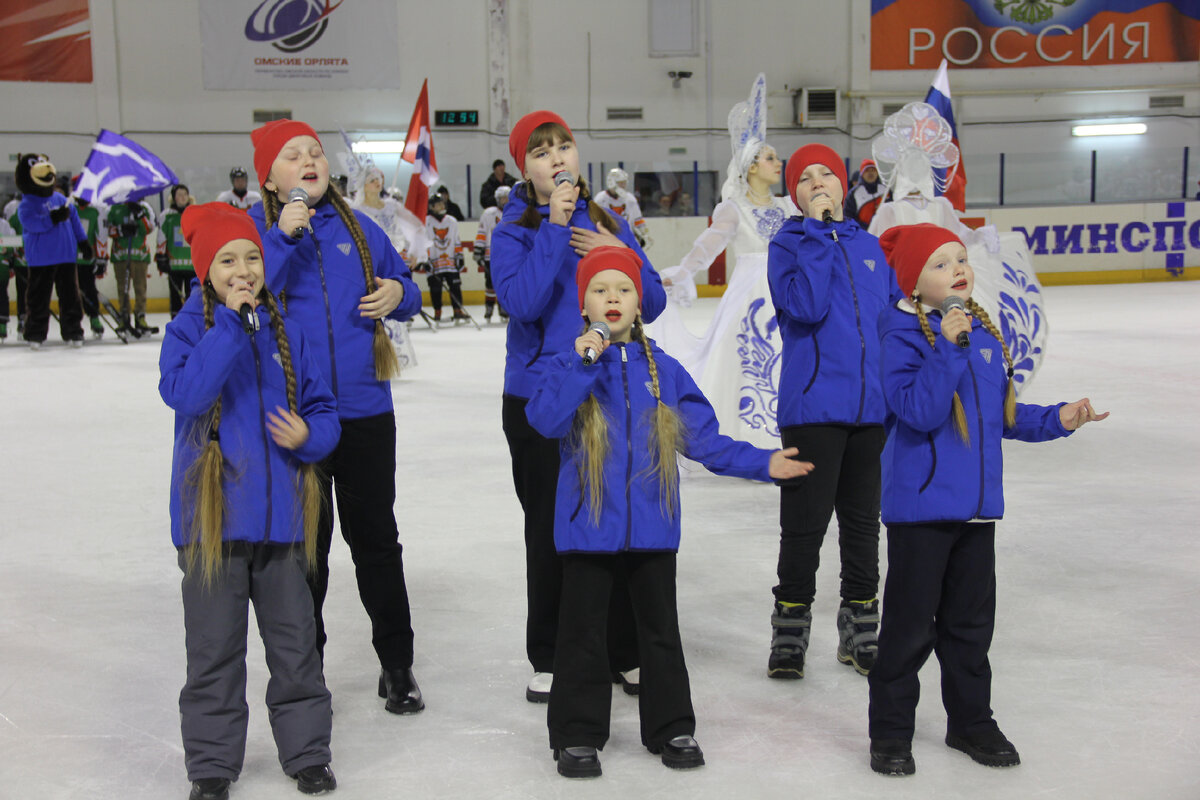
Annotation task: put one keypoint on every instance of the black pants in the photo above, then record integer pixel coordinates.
(362, 471)
(61, 279)
(179, 284)
(581, 695)
(89, 298)
(940, 596)
(22, 275)
(453, 285)
(535, 463)
(845, 479)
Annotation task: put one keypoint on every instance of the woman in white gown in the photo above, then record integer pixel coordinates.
(736, 361)
(406, 232)
(915, 142)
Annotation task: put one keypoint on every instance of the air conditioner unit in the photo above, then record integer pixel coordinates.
(817, 108)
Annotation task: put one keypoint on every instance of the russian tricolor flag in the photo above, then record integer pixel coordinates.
(418, 151)
(939, 98)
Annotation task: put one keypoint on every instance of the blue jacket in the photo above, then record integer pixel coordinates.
(48, 243)
(632, 516)
(197, 366)
(828, 293)
(929, 473)
(533, 272)
(322, 277)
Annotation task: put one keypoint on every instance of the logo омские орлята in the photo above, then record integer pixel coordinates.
(290, 25)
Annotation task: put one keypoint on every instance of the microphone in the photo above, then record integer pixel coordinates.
(948, 305)
(249, 318)
(826, 216)
(298, 194)
(590, 355)
(562, 176)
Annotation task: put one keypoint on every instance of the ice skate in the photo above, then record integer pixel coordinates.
(97, 326)
(858, 634)
(789, 641)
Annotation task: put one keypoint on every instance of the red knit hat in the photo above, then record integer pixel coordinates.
(908, 247)
(270, 139)
(518, 140)
(209, 227)
(601, 258)
(811, 154)
(866, 162)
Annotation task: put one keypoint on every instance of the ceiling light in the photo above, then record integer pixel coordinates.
(380, 146)
(1109, 129)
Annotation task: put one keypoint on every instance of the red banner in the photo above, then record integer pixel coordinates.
(46, 40)
(975, 34)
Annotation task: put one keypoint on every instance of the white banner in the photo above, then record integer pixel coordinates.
(300, 44)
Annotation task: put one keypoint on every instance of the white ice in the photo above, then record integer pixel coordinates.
(1096, 656)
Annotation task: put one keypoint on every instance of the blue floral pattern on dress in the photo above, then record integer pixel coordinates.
(1022, 319)
(759, 352)
(768, 221)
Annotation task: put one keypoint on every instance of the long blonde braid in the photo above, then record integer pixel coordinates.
(1010, 394)
(308, 484)
(666, 433)
(960, 415)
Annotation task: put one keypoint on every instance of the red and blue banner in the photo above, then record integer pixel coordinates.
(41, 41)
(418, 151)
(979, 34)
(938, 96)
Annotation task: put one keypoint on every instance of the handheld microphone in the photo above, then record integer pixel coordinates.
(827, 217)
(299, 194)
(562, 176)
(948, 305)
(249, 318)
(589, 354)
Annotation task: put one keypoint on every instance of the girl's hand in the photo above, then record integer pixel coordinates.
(819, 205)
(783, 466)
(1074, 416)
(954, 323)
(381, 302)
(583, 240)
(287, 430)
(294, 215)
(591, 339)
(562, 203)
(239, 295)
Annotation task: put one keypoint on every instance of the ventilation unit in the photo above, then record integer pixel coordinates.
(1167, 101)
(629, 112)
(816, 108)
(891, 108)
(264, 115)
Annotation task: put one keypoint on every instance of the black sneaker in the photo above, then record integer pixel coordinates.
(682, 752)
(858, 634)
(892, 757)
(789, 640)
(578, 762)
(317, 779)
(991, 748)
(210, 789)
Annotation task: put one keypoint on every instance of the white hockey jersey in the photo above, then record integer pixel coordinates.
(243, 203)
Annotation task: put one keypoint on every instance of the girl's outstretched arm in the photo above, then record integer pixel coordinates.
(1075, 415)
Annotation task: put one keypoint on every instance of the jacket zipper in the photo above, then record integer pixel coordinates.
(979, 420)
(628, 448)
(862, 358)
(328, 316)
(816, 364)
(262, 419)
(541, 328)
(933, 466)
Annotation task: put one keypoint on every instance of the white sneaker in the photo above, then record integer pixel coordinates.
(538, 690)
(35, 345)
(77, 343)
(630, 680)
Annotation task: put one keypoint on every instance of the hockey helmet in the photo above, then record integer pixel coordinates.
(616, 176)
(235, 173)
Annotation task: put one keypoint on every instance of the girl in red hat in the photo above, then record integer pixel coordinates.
(948, 383)
(548, 224)
(252, 418)
(620, 414)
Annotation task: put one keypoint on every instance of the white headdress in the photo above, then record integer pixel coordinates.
(356, 166)
(915, 141)
(747, 136)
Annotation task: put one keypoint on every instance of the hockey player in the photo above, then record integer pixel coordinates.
(128, 226)
(87, 270)
(483, 250)
(445, 258)
(240, 196)
(617, 199)
(17, 264)
(174, 255)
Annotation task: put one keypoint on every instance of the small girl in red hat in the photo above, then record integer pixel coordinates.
(947, 382)
(620, 414)
(252, 418)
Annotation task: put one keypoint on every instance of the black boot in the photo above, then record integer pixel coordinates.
(682, 752)
(892, 757)
(789, 640)
(578, 762)
(210, 789)
(400, 688)
(991, 748)
(317, 779)
(858, 634)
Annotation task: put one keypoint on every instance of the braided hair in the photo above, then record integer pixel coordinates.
(386, 364)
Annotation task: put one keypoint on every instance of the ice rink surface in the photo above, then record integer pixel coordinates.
(1096, 656)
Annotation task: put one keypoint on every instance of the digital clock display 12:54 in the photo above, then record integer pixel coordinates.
(455, 118)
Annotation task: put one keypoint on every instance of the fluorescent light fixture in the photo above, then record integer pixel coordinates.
(381, 146)
(1109, 129)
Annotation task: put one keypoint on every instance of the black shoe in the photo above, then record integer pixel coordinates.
(400, 688)
(210, 789)
(317, 779)
(789, 640)
(682, 752)
(892, 757)
(578, 762)
(991, 748)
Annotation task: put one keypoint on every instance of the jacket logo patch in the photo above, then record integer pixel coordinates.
(278, 359)
(344, 247)
(650, 388)
(987, 354)
(870, 262)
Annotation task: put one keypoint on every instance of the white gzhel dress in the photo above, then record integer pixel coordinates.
(406, 232)
(736, 362)
(1005, 284)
